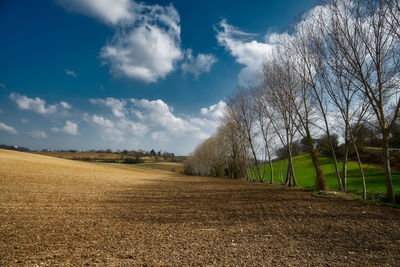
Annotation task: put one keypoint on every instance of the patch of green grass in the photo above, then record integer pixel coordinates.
(305, 174)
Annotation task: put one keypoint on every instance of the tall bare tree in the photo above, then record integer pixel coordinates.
(371, 61)
(278, 82)
(304, 96)
(264, 123)
(242, 115)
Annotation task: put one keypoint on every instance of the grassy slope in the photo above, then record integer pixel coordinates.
(305, 174)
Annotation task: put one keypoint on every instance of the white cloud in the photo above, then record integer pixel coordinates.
(100, 120)
(65, 105)
(133, 128)
(70, 128)
(38, 105)
(8, 129)
(34, 104)
(117, 106)
(157, 115)
(146, 120)
(243, 46)
(2, 85)
(71, 73)
(113, 134)
(215, 111)
(199, 64)
(147, 51)
(119, 130)
(38, 134)
(108, 11)
(147, 44)
(24, 120)
(160, 137)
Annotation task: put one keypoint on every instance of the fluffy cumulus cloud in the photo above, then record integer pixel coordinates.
(65, 105)
(39, 105)
(153, 120)
(245, 48)
(70, 128)
(147, 52)
(215, 111)
(147, 42)
(108, 11)
(117, 106)
(199, 64)
(8, 129)
(101, 121)
(38, 134)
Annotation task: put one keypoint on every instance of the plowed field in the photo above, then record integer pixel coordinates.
(62, 212)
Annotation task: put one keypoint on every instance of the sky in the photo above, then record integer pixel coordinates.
(124, 74)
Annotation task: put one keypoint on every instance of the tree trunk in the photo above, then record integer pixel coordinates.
(270, 166)
(292, 178)
(335, 164)
(255, 157)
(344, 167)
(320, 182)
(390, 197)
(364, 187)
(345, 159)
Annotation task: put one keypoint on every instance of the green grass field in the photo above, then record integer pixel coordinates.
(305, 175)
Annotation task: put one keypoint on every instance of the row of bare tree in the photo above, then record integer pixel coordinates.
(339, 68)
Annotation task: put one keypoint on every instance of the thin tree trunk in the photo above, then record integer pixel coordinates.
(335, 164)
(268, 153)
(344, 167)
(255, 157)
(364, 187)
(390, 197)
(320, 182)
(291, 176)
(319, 178)
(270, 166)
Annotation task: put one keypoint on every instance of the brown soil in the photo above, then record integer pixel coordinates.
(60, 212)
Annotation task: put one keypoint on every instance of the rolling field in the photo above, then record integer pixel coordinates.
(61, 212)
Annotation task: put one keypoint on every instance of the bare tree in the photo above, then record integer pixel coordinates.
(277, 83)
(264, 124)
(371, 61)
(303, 96)
(242, 115)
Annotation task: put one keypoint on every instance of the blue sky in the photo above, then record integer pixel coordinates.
(120, 74)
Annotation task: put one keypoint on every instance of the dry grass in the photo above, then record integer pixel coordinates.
(61, 212)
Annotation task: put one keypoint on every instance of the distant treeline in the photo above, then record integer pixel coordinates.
(16, 148)
(110, 160)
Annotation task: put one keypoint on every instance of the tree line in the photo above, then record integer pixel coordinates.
(335, 73)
